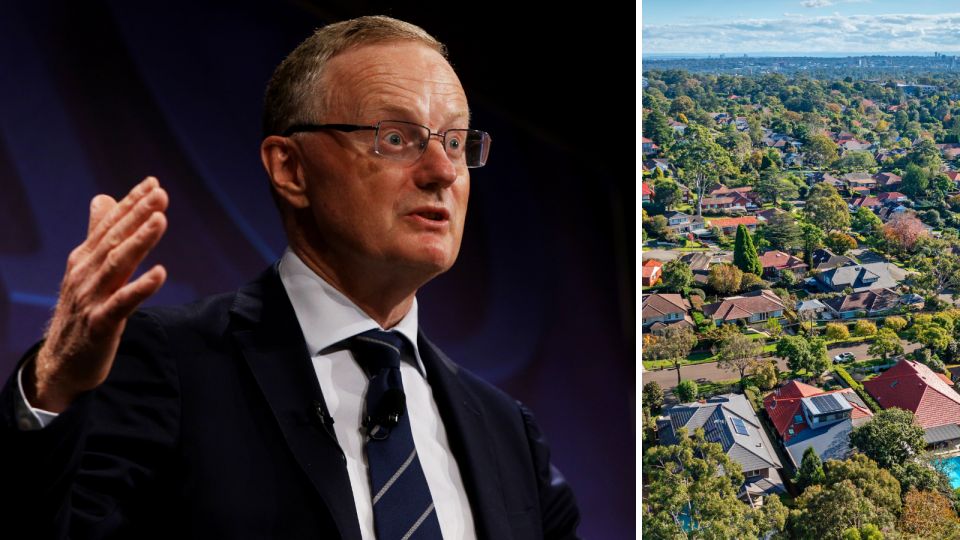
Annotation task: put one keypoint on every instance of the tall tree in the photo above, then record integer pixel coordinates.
(702, 160)
(840, 243)
(877, 484)
(744, 254)
(656, 129)
(725, 278)
(903, 231)
(810, 472)
(891, 438)
(928, 514)
(673, 346)
(804, 355)
(774, 186)
(695, 474)
(738, 352)
(827, 511)
(811, 238)
(677, 275)
(826, 209)
(682, 105)
(653, 395)
(667, 192)
(820, 149)
(782, 232)
(914, 181)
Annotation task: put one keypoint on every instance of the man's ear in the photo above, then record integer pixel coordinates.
(281, 159)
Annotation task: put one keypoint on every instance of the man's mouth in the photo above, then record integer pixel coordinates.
(432, 216)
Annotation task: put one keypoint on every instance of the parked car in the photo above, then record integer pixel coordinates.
(843, 358)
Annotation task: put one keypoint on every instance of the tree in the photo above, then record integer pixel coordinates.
(821, 149)
(772, 327)
(756, 130)
(738, 353)
(840, 243)
(682, 105)
(677, 275)
(744, 254)
(674, 346)
(826, 209)
(903, 231)
(667, 192)
(810, 239)
(939, 268)
(782, 232)
(827, 511)
(931, 332)
(802, 354)
(891, 438)
(748, 281)
(858, 160)
(810, 472)
(655, 128)
(704, 158)
(895, 323)
(725, 278)
(764, 374)
(866, 220)
(886, 342)
(653, 395)
(696, 483)
(864, 328)
(914, 181)
(928, 514)
(877, 484)
(837, 332)
(686, 391)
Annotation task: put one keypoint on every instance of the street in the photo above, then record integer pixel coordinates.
(709, 372)
(667, 255)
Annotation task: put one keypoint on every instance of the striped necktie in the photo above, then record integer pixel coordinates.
(402, 506)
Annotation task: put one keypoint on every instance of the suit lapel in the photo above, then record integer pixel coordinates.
(269, 336)
(467, 432)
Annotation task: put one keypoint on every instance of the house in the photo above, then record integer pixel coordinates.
(650, 272)
(914, 387)
(888, 181)
(765, 215)
(955, 176)
(646, 193)
(823, 259)
(874, 302)
(872, 203)
(828, 178)
(681, 223)
(814, 306)
(701, 262)
(804, 415)
(736, 203)
(660, 311)
(720, 190)
(890, 211)
(860, 180)
(793, 160)
(729, 420)
(662, 164)
(648, 147)
(679, 127)
(859, 277)
(776, 262)
(951, 153)
(729, 225)
(752, 307)
(892, 197)
(684, 193)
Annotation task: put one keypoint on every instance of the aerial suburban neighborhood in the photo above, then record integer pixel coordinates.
(800, 282)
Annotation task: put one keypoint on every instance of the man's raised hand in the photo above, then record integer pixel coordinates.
(95, 298)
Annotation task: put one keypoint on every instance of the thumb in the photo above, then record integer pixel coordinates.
(99, 207)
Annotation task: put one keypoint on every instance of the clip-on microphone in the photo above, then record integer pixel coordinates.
(390, 409)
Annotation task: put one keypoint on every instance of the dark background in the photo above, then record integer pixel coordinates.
(96, 95)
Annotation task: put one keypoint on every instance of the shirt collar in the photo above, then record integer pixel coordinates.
(327, 317)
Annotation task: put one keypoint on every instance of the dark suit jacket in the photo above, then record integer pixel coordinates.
(206, 427)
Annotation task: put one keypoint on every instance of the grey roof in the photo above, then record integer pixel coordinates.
(823, 259)
(830, 442)
(810, 304)
(763, 486)
(942, 433)
(752, 451)
(852, 276)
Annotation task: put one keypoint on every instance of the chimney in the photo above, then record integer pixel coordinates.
(701, 400)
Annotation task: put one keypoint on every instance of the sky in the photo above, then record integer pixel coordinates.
(799, 27)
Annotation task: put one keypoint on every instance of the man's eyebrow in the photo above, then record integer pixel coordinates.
(405, 112)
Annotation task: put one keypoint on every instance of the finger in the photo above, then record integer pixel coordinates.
(99, 207)
(128, 298)
(121, 261)
(133, 221)
(117, 213)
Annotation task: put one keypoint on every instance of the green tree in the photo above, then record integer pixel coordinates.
(702, 161)
(755, 129)
(840, 243)
(827, 511)
(810, 472)
(764, 374)
(738, 352)
(653, 395)
(674, 345)
(772, 327)
(802, 354)
(865, 220)
(826, 209)
(698, 475)
(821, 149)
(915, 181)
(877, 484)
(725, 278)
(744, 254)
(667, 192)
(895, 323)
(686, 391)
(811, 238)
(864, 328)
(886, 342)
(677, 275)
(655, 128)
(891, 438)
(682, 105)
(774, 185)
(837, 332)
(782, 232)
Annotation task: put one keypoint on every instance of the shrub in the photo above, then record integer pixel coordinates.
(895, 323)
(686, 391)
(865, 328)
(698, 292)
(837, 332)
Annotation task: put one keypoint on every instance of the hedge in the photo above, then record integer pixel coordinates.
(858, 388)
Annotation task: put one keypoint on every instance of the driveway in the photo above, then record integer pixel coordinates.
(867, 256)
(709, 372)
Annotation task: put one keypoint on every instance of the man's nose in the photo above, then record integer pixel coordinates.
(435, 168)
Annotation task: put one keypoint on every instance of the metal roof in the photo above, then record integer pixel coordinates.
(945, 432)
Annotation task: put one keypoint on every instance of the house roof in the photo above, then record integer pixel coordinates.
(645, 189)
(914, 387)
(859, 177)
(853, 276)
(824, 259)
(865, 201)
(890, 195)
(784, 405)
(663, 304)
(769, 213)
(651, 262)
(886, 178)
(648, 271)
(830, 442)
(752, 450)
(807, 305)
(739, 307)
(733, 222)
(779, 260)
(942, 433)
(873, 300)
(826, 177)
(719, 200)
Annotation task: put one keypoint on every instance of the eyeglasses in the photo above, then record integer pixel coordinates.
(407, 141)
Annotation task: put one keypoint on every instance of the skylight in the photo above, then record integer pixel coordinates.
(739, 426)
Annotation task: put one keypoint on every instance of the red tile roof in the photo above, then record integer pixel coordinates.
(780, 260)
(649, 271)
(645, 189)
(732, 222)
(953, 175)
(651, 262)
(914, 387)
(865, 201)
(783, 405)
(730, 309)
(891, 195)
(717, 200)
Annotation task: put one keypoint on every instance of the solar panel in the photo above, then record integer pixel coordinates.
(711, 428)
(715, 438)
(739, 426)
(826, 404)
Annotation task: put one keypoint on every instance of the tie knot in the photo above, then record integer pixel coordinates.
(377, 349)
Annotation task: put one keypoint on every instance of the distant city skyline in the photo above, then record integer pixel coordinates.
(815, 27)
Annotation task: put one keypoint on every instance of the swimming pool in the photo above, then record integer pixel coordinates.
(953, 471)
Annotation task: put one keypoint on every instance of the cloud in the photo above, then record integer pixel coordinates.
(833, 33)
(794, 15)
(827, 3)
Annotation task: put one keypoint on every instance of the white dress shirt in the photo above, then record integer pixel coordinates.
(327, 318)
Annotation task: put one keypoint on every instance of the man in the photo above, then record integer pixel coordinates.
(274, 411)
